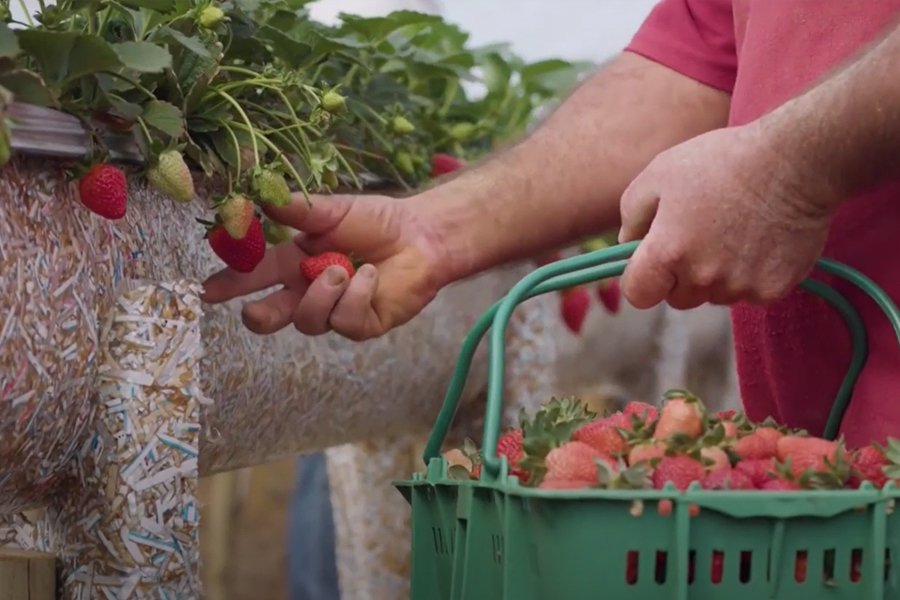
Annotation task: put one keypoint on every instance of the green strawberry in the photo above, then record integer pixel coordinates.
(404, 162)
(211, 17)
(333, 102)
(271, 187)
(462, 131)
(236, 213)
(402, 125)
(330, 180)
(171, 177)
(276, 233)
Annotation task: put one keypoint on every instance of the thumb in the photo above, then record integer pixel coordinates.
(647, 281)
(637, 209)
(317, 216)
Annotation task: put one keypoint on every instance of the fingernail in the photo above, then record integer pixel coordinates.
(335, 276)
(367, 272)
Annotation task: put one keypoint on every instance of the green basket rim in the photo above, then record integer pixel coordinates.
(601, 264)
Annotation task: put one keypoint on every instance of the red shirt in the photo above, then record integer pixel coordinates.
(793, 354)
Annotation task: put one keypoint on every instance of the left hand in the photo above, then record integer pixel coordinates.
(724, 218)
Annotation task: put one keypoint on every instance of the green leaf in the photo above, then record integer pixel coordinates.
(376, 29)
(28, 87)
(143, 57)
(9, 44)
(165, 117)
(194, 44)
(496, 73)
(64, 55)
(163, 6)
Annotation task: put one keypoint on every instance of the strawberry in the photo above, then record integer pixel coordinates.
(271, 187)
(211, 17)
(241, 255)
(236, 213)
(565, 484)
(716, 458)
(759, 470)
(574, 461)
(604, 436)
(780, 485)
(276, 233)
(810, 455)
(717, 567)
(730, 429)
(333, 102)
(610, 295)
(867, 464)
(646, 452)
(510, 446)
(104, 191)
(631, 567)
(170, 176)
(679, 470)
(576, 302)
(680, 416)
(402, 125)
(800, 567)
(760, 443)
(727, 479)
(642, 410)
(313, 266)
(442, 164)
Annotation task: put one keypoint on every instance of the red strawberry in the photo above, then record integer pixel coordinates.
(682, 416)
(646, 452)
(603, 435)
(679, 470)
(644, 411)
(104, 191)
(241, 255)
(727, 479)
(610, 295)
(313, 266)
(780, 485)
(760, 470)
(868, 465)
(800, 567)
(574, 461)
(717, 458)
(576, 302)
(760, 443)
(631, 567)
(726, 415)
(565, 484)
(718, 560)
(730, 428)
(441, 164)
(810, 454)
(510, 446)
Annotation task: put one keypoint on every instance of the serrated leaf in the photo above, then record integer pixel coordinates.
(143, 57)
(165, 117)
(9, 44)
(28, 87)
(194, 44)
(64, 55)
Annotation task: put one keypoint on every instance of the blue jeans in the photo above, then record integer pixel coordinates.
(311, 553)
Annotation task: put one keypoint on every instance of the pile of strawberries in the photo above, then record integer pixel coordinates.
(567, 447)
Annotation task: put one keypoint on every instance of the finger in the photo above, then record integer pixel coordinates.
(311, 315)
(637, 209)
(648, 278)
(280, 265)
(684, 296)
(354, 317)
(272, 313)
(316, 217)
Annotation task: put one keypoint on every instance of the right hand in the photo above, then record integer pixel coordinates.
(402, 275)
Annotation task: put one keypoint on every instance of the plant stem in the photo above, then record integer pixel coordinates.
(26, 13)
(150, 95)
(234, 104)
(237, 149)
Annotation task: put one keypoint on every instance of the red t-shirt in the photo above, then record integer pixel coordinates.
(793, 354)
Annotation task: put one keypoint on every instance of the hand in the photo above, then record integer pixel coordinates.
(399, 279)
(723, 219)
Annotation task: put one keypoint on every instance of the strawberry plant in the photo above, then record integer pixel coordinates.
(265, 100)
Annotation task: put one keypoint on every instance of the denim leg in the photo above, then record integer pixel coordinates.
(311, 551)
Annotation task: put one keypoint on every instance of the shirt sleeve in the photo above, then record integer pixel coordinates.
(693, 37)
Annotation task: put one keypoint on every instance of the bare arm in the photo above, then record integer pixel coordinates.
(567, 177)
(843, 135)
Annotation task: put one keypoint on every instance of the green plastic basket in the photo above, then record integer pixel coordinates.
(493, 539)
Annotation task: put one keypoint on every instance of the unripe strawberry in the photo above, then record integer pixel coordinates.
(462, 131)
(242, 255)
(402, 125)
(211, 17)
(276, 233)
(171, 177)
(333, 102)
(330, 180)
(236, 213)
(272, 188)
(404, 162)
(104, 191)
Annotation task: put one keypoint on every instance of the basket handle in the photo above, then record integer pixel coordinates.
(611, 262)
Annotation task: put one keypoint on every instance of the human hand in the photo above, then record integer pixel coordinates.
(401, 276)
(723, 219)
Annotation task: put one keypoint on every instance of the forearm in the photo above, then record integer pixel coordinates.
(564, 181)
(843, 135)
